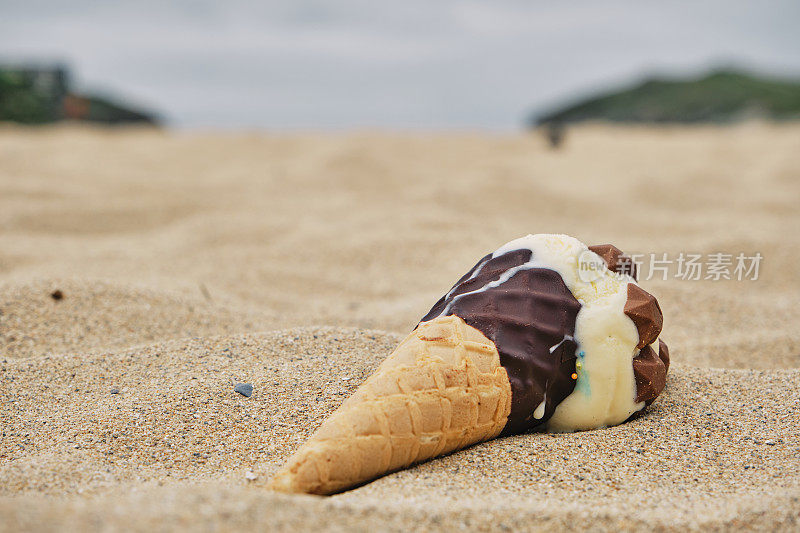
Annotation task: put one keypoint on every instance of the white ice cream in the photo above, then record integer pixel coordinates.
(605, 390)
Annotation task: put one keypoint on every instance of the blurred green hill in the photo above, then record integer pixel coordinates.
(721, 96)
(42, 95)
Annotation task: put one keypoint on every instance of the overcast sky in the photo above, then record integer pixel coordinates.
(412, 64)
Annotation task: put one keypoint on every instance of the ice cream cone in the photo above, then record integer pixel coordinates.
(441, 390)
(523, 340)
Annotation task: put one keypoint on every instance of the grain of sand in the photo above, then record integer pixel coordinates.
(295, 263)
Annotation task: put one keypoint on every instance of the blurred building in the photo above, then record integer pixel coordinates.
(42, 95)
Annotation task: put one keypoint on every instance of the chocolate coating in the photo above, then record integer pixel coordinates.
(649, 369)
(616, 260)
(526, 316)
(663, 353)
(643, 309)
(650, 373)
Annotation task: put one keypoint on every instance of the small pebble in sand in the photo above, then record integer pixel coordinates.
(57, 295)
(245, 389)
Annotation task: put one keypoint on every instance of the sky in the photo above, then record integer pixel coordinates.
(417, 64)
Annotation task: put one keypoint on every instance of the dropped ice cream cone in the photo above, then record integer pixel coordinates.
(520, 341)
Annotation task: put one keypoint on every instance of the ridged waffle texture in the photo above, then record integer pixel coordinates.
(442, 389)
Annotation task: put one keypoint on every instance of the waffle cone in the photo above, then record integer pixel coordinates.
(442, 389)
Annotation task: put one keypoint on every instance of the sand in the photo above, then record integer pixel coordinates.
(189, 262)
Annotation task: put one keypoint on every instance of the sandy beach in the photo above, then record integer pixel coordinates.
(142, 272)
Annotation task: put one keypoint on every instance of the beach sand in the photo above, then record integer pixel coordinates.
(142, 273)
